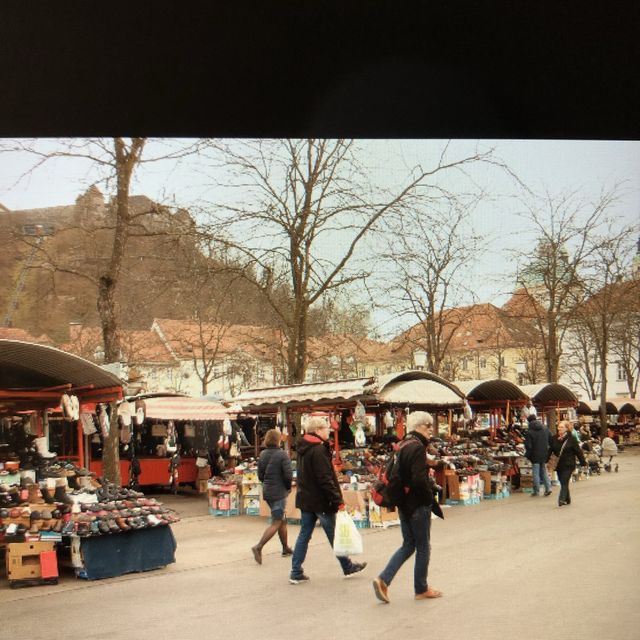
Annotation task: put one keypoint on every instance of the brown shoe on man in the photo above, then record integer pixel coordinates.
(380, 589)
(429, 593)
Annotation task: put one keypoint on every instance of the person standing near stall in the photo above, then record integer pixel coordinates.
(566, 447)
(318, 497)
(274, 471)
(536, 446)
(415, 511)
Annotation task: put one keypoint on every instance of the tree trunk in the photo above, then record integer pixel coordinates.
(126, 161)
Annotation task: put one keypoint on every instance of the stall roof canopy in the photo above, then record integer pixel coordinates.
(32, 375)
(307, 392)
(408, 387)
(184, 408)
(627, 406)
(491, 391)
(550, 394)
(25, 365)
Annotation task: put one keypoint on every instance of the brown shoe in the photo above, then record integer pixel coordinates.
(257, 554)
(429, 593)
(380, 589)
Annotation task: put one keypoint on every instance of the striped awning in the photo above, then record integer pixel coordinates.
(184, 408)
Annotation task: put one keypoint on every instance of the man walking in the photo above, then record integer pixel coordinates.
(536, 446)
(414, 509)
(318, 496)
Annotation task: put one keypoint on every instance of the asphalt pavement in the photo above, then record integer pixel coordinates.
(519, 568)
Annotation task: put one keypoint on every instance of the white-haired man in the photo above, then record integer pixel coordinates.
(414, 510)
(318, 496)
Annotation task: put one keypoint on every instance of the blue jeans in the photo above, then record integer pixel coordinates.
(415, 537)
(307, 525)
(540, 472)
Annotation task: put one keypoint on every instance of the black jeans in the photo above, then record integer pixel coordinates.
(564, 476)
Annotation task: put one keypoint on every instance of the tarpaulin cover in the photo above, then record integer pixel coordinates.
(128, 552)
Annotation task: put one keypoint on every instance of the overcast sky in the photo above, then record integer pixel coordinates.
(558, 167)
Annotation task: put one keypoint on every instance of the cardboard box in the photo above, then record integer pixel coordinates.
(204, 473)
(486, 478)
(452, 484)
(23, 559)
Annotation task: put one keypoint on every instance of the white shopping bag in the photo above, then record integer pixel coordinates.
(347, 540)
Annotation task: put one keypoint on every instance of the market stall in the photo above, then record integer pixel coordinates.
(552, 397)
(166, 435)
(367, 415)
(51, 507)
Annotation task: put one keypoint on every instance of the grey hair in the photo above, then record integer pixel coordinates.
(314, 424)
(417, 418)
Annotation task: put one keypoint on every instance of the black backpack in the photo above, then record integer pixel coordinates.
(388, 490)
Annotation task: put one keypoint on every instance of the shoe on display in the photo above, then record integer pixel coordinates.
(356, 567)
(298, 579)
(380, 589)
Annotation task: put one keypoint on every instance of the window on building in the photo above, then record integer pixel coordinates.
(483, 363)
(502, 361)
(464, 364)
(620, 377)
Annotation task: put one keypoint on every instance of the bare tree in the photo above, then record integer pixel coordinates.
(426, 259)
(625, 342)
(116, 160)
(534, 367)
(564, 228)
(581, 358)
(307, 208)
(609, 291)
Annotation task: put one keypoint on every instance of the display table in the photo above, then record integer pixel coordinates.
(127, 552)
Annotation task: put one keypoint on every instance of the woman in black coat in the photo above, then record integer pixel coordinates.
(275, 473)
(564, 445)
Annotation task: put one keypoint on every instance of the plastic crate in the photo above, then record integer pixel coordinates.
(252, 511)
(362, 523)
(223, 513)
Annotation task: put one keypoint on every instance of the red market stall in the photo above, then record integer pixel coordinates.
(34, 380)
(194, 421)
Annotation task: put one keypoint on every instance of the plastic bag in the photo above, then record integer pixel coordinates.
(347, 540)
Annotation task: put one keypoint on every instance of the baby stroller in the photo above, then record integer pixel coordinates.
(609, 450)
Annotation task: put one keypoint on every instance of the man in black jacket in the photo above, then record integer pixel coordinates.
(318, 496)
(536, 447)
(414, 509)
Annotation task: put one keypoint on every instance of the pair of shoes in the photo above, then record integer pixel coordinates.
(380, 589)
(257, 554)
(356, 567)
(288, 551)
(561, 503)
(429, 593)
(547, 493)
(534, 495)
(298, 579)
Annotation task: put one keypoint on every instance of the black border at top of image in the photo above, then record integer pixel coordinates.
(358, 69)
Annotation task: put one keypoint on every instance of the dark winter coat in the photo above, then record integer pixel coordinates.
(412, 458)
(318, 489)
(536, 442)
(274, 471)
(571, 451)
